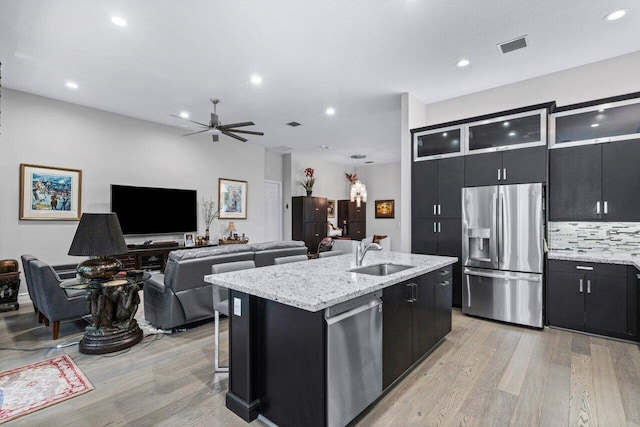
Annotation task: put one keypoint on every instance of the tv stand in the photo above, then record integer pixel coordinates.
(152, 257)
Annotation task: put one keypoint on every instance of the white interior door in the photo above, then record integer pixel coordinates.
(272, 210)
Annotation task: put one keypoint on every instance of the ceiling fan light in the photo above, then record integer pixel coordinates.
(256, 79)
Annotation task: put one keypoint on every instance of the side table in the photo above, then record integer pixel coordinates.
(113, 308)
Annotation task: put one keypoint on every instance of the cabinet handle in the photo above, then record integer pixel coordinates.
(439, 227)
(598, 207)
(445, 283)
(415, 292)
(446, 272)
(504, 174)
(582, 267)
(434, 210)
(435, 230)
(581, 285)
(606, 207)
(410, 288)
(440, 211)
(588, 286)
(498, 174)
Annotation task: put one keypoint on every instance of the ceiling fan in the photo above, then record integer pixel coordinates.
(215, 127)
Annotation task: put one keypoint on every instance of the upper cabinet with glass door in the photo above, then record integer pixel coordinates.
(608, 120)
(438, 143)
(521, 130)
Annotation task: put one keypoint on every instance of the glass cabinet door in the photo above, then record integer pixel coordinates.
(437, 143)
(595, 124)
(521, 130)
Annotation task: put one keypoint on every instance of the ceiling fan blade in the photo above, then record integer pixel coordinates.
(245, 131)
(235, 125)
(198, 123)
(195, 133)
(234, 136)
(215, 138)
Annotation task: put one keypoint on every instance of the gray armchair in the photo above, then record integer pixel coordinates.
(53, 302)
(26, 259)
(221, 304)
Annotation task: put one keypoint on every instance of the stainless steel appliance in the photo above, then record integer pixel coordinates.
(354, 357)
(502, 252)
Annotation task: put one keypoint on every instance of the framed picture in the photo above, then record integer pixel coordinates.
(189, 240)
(50, 193)
(331, 208)
(232, 198)
(384, 209)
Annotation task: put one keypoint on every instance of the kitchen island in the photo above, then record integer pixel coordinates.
(280, 334)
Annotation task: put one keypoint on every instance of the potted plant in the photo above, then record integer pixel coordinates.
(308, 181)
(209, 213)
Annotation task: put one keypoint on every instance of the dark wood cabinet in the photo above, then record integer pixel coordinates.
(595, 182)
(417, 315)
(309, 220)
(590, 297)
(151, 257)
(437, 212)
(518, 166)
(353, 218)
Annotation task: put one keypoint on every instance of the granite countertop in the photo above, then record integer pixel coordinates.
(601, 257)
(321, 283)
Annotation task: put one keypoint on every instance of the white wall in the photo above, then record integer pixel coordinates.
(111, 149)
(273, 165)
(383, 183)
(330, 183)
(603, 79)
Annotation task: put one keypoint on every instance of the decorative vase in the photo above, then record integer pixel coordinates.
(206, 235)
(308, 192)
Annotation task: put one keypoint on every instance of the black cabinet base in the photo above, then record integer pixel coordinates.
(240, 408)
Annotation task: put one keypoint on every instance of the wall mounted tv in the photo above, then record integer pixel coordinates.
(148, 210)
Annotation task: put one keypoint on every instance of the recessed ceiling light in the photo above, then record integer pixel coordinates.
(325, 147)
(256, 79)
(595, 125)
(463, 63)
(512, 133)
(330, 111)
(120, 22)
(184, 114)
(72, 85)
(614, 16)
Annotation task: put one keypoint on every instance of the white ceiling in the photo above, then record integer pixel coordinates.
(357, 56)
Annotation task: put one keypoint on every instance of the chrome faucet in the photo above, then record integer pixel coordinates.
(361, 252)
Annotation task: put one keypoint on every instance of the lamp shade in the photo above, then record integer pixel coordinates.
(231, 226)
(98, 234)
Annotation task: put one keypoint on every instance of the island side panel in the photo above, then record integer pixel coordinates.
(292, 365)
(243, 395)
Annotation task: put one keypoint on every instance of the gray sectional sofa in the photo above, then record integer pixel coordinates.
(181, 296)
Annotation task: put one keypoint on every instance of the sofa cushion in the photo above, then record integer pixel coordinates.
(184, 254)
(278, 244)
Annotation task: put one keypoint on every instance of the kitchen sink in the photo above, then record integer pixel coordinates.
(381, 269)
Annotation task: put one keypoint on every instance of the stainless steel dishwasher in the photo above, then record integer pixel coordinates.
(354, 357)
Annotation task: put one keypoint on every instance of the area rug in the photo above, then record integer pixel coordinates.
(38, 385)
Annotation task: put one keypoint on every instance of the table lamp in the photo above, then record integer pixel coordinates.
(231, 228)
(98, 235)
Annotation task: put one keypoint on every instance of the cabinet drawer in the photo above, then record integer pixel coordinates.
(617, 270)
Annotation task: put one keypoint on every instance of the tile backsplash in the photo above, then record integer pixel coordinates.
(618, 237)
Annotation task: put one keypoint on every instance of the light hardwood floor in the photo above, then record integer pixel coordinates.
(484, 373)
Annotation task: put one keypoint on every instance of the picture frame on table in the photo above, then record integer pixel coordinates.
(50, 193)
(331, 208)
(189, 240)
(232, 198)
(385, 209)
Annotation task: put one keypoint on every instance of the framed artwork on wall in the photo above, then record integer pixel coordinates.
(50, 193)
(232, 198)
(384, 209)
(331, 208)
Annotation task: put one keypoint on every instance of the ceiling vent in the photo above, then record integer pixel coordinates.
(511, 45)
(293, 124)
(281, 149)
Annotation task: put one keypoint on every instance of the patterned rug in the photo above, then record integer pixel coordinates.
(38, 385)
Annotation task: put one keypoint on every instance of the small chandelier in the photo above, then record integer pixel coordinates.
(358, 193)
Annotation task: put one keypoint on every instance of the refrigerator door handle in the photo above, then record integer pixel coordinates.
(493, 239)
(581, 282)
(500, 276)
(500, 226)
(498, 174)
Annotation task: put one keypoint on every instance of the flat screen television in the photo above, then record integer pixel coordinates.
(149, 210)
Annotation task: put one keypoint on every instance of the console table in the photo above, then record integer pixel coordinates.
(233, 242)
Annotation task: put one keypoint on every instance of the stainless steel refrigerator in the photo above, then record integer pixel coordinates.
(502, 252)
